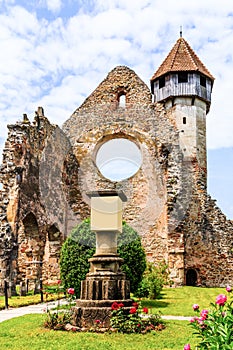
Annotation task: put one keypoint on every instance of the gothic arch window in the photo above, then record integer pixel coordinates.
(191, 277)
(53, 234)
(30, 225)
(121, 99)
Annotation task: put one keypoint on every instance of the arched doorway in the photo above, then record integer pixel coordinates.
(191, 277)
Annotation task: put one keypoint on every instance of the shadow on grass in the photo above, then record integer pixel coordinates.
(154, 303)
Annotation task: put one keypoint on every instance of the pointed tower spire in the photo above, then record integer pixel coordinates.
(182, 74)
(181, 32)
(182, 58)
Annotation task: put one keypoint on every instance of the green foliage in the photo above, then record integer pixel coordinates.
(57, 320)
(80, 246)
(154, 278)
(135, 320)
(215, 326)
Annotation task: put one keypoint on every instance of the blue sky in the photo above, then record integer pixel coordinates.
(53, 53)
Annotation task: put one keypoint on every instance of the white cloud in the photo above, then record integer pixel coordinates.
(55, 54)
(59, 61)
(54, 5)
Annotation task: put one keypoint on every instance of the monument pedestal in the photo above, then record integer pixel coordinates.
(105, 283)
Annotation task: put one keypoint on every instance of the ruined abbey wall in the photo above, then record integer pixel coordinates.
(46, 173)
(30, 241)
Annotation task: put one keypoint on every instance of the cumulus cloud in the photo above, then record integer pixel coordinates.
(54, 5)
(54, 53)
(58, 61)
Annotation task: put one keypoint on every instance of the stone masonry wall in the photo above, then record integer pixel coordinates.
(46, 173)
(29, 241)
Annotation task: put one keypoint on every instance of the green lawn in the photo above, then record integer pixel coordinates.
(27, 333)
(179, 301)
(17, 301)
(174, 301)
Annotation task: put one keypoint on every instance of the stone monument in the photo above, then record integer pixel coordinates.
(105, 283)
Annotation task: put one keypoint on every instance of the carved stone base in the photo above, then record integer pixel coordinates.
(104, 284)
(108, 287)
(87, 312)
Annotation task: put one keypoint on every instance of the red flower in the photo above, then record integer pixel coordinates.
(70, 291)
(145, 310)
(133, 310)
(58, 281)
(115, 306)
(221, 299)
(121, 305)
(135, 305)
(97, 321)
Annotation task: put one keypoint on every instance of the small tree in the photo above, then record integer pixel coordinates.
(80, 246)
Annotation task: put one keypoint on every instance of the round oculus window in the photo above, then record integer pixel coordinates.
(118, 159)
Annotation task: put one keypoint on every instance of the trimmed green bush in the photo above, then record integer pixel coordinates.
(80, 246)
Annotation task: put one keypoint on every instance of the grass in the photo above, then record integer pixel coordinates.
(17, 301)
(179, 301)
(27, 332)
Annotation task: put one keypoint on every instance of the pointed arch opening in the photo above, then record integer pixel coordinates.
(30, 225)
(191, 277)
(121, 99)
(54, 234)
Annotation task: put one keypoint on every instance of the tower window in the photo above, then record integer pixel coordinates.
(182, 77)
(122, 101)
(203, 81)
(184, 120)
(161, 82)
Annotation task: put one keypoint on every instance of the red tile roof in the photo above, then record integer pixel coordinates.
(181, 58)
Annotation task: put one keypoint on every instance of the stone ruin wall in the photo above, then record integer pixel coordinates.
(30, 242)
(58, 167)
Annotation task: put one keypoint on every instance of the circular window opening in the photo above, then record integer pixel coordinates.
(118, 159)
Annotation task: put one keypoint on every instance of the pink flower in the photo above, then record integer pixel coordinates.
(193, 319)
(97, 321)
(228, 289)
(58, 281)
(204, 314)
(187, 347)
(221, 299)
(200, 321)
(195, 307)
(70, 291)
(133, 310)
(115, 306)
(145, 310)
